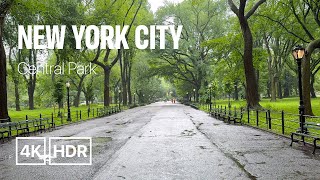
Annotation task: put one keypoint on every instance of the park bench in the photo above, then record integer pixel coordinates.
(4, 120)
(236, 117)
(107, 111)
(309, 134)
(5, 128)
(101, 112)
(115, 109)
(21, 127)
(44, 123)
(223, 114)
(218, 113)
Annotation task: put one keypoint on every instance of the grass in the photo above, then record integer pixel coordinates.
(290, 116)
(46, 112)
(288, 105)
(53, 112)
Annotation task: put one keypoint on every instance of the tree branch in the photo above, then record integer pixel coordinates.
(254, 8)
(233, 7)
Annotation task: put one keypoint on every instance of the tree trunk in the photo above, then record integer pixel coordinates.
(251, 81)
(306, 89)
(106, 91)
(17, 95)
(31, 98)
(270, 71)
(273, 89)
(129, 81)
(197, 92)
(3, 73)
(279, 89)
(286, 88)
(31, 82)
(236, 91)
(123, 69)
(76, 100)
(252, 95)
(15, 77)
(313, 92)
(60, 105)
(129, 87)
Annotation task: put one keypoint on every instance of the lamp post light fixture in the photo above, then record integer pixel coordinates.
(119, 99)
(187, 96)
(229, 103)
(298, 54)
(194, 95)
(210, 86)
(235, 92)
(68, 101)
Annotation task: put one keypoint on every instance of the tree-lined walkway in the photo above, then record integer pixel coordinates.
(172, 141)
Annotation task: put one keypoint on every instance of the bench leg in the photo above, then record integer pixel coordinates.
(291, 139)
(315, 146)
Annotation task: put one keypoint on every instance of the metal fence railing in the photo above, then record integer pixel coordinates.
(10, 129)
(279, 122)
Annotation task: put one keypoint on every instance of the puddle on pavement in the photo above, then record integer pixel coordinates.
(202, 147)
(101, 139)
(100, 144)
(188, 133)
(123, 123)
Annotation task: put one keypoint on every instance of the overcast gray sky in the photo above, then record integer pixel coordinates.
(155, 4)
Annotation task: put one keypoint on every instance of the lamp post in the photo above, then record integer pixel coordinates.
(134, 99)
(210, 86)
(187, 96)
(229, 103)
(68, 94)
(298, 53)
(194, 95)
(235, 92)
(143, 98)
(119, 99)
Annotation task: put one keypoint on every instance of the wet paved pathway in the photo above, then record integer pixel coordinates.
(172, 141)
